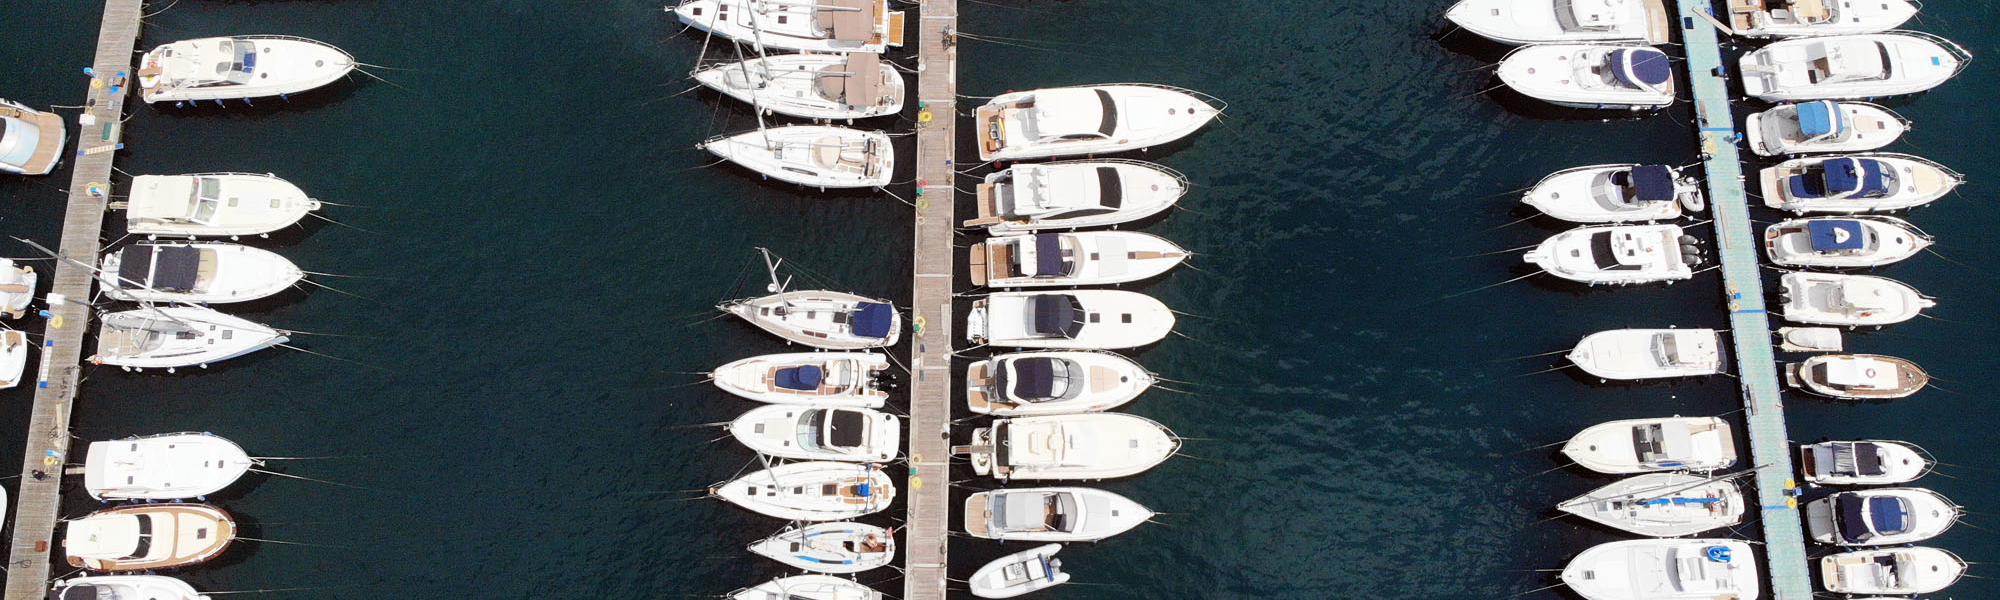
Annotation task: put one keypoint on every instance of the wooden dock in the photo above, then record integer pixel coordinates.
(1750, 325)
(38, 499)
(928, 520)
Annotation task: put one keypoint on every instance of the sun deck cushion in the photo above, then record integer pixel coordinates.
(848, 20)
(846, 428)
(82, 592)
(1652, 183)
(1806, 185)
(1868, 460)
(801, 378)
(1640, 67)
(872, 319)
(1834, 235)
(1819, 118)
(1853, 526)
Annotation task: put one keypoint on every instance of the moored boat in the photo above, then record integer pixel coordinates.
(17, 287)
(822, 319)
(1618, 254)
(1843, 242)
(1866, 462)
(1076, 319)
(239, 67)
(1850, 67)
(1593, 76)
(855, 85)
(1563, 21)
(145, 537)
(1665, 569)
(14, 348)
(214, 204)
(1075, 193)
(1019, 573)
(804, 25)
(123, 587)
(1646, 445)
(1055, 514)
(1662, 504)
(1915, 570)
(818, 156)
(1851, 300)
(811, 491)
(1077, 446)
(1649, 353)
(1855, 183)
(1619, 193)
(195, 272)
(808, 378)
(807, 587)
(163, 467)
(819, 433)
(835, 547)
(1879, 517)
(178, 336)
(1857, 376)
(1822, 126)
(1071, 259)
(31, 141)
(1047, 383)
(1800, 18)
(1089, 119)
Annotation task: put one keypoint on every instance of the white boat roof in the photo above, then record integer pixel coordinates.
(1861, 372)
(1069, 111)
(104, 536)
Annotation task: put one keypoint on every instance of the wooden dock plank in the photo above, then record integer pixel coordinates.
(928, 516)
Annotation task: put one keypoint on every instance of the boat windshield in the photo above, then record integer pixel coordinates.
(1666, 349)
(1109, 124)
(1590, 15)
(239, 61)
(145, 544)
(1055, 316)
(1606, 256)
(1062, 511)
(207, 200)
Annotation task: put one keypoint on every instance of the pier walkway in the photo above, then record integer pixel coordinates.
(1750, 325)
(928, 519)
(38, 501)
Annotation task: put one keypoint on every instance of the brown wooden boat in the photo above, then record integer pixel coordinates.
(148, 536)
(1857, 376)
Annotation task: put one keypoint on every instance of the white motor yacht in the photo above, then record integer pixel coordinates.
(1866, 462)
(1563, 21)
(1053, 382)
(1646, 445)
(1055, 514)
(808, 433)
(836, 547)
(1855, 183)
(1618, 254)
(195, 272)
(1850, 300)
(1850, 67)
(1822, 126)
(1800, 18)
(214, 204)
(856, 85)
(1649, 353)
(1019, 573)
(1089, 119)
(817, 156)
(1879, 517)
(1593, 76)
(807, 378)
(1915, 570)
(1844, 242)
(1621, 193)
(1078, 446)
(1076, 320)
(1669, 569)
(1076, 193)
(804, 25)
(807, 587)
(31, 141)
(168, 466)
(147, 537)
(123, 587)
(1071, 259)
(178, 336)
(1662, 504)
(17, 287)
(1857, 376)
(823, 319)
(811, 491)
(239, 67)
(14, 348)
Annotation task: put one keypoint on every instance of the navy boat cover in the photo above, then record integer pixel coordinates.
(802, 378)
(1652, 183)
(1838, 234)
(176, 271)
(1034, 378)
(1819, 118)
(872, 319)
(1053, 314)
(847, 427)
(1640, 67)
(1859, 177)
(1888, 515)
(1048, 255)
(1110, 189)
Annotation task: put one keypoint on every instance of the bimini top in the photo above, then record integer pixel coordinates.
(873, 319)
(1046, 255)
(1037, 377)
(1055, 315)
(1819, 118)
(1863, 518)
(164, 268)
(1643, 68)
(1830, 234)
(1650, 183)
(1846, 177)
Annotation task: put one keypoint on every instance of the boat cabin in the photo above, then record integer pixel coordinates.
(1638, 185)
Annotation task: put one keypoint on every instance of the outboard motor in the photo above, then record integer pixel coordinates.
(1688, 240)
(1690, 260)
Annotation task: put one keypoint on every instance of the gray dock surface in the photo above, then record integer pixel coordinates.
(929, 510)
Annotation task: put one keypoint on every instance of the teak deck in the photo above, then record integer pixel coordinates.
(929, 490)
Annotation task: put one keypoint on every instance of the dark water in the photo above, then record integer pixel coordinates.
(551, 252)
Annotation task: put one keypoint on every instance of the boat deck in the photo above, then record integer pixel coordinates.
(928, 519)
(49, 150)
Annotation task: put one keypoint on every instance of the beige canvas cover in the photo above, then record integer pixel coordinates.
(856, 82)
(849, 20)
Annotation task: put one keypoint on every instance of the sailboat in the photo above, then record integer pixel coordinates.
(806, 25)
(855, 85)
(820, 156)
(178, 336)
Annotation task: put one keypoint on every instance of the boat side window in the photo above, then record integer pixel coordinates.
(809, 429)
(1109, 125)
(1566, 15)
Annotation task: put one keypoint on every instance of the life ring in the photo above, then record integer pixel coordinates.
(50, 460)
(919, 322)
(56, 322)
(924, 117)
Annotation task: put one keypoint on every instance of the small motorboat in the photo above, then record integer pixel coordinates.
(823, 319)
(214, 204)
(123, 587)
(1076, 319)
(1078, 446)
(1843, 242)
(1563, 21)
(1622, 193)
(195, 272)
(178, 336)
(1628, 354)
(1867, 462)
(1850, 67)
(31, 141)
(1077, 193)
(1662, 504)
(1800, 18)
(1698, 444)
(807, 25)
(1594, 76)
(14, 349)
(808, 378)
(1857, 376)
(1056, 514)
(1822, 126)
(803, 433)
(1053, 382)
(837, 547)
(807, 587)
(856, 85)
(1851, 300)
(17, 287)
(1089, 119)
(817, 156)
(239, 67)
(1618, 254)
(811, 491)
(1809, 339)
(167, 466)
(1669, 569)
(146, 537)
(1879, 517)
(1855, 183)
(1914, 570)
(1072, 259)
(1019, 573)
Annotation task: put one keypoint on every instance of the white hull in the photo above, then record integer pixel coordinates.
(163, 467)
(1850, 300)
(806, 26)
(1019, 573)
(14, 349)
(1813, 18)
(1884, 240)
(1651, 445)
(1674, 569)
(1662, 504)
(1629, 354)
(1075, 194)
(1091, 119)
(1606, 194)
(1075, 320)
(1050, 383)
(1868, 462)
(1864, 127)
(178, 336)
(823, 319)
(124, 587)
(188, 69)
(214, 204)
(800, 491)
(838, 547)
(195, 273)
(1616, 255)
(1572, 75)
(797, 85)
(1913, 181)
(807, 587)
(1071, 447)
(834, 434)
(817, 156)
(807, 378)
(1080, 258)
(1849, 67)
(1915, 570)
(1056, 514)
(1552, 22)
(17, 287)
(1860, 518)
(32, 141)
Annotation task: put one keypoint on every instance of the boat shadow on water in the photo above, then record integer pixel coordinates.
(1456, 39)
(1534, 108)
(238, 110)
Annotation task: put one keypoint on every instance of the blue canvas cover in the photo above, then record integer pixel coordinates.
(871, 319)
(1819, 118)
(1848, 509)
(1048, 255)
(1034, 378)
(801, 378)
(1834, 234)
(1858, 177)
(1640, 67)
(1053, 314)
(1888, 515)
(1652, 183)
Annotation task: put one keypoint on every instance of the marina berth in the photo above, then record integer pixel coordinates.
(804, 25)
(1072, 447)
(178, 336)
(123, 587)
(1846, 242)
(1867, 462)
(1563, 21)
(168, 466)
(856, 85)
(1019, 573)
(841, 434)
(1855, 183)
(1089, 119)
(14, 348)
(1071, 259)
(239, 67)
(1071, 194)
(1698, 444)
(1822, 126)
(1799, 18)
(850, 379)
(1915, 570)
(1618, 254)
(811, 491)
(195, 272)
(817, 156)
(1671, 569)
(838, 547)
(144, 537)
(1593, 76)
(1879, 517)
(1856, 376)
(31, 141)
(1649, 353)
(1054, 514)
(1076, 320)
(822, 319)
(1621, 193)
(1058, 382)
(807, 587)
(214, 204)
(17, 287)
(1662, 504)
(1849, 300)
(1850, 67)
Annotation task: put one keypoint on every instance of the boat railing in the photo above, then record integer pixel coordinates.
(1210, 99)
(1888, 220)
(294, 38)
(1930, 460)
(1921, 160)
(233, 173)
(1177, 175)
(1964, 56)
(1581, 169)
(1907, 124)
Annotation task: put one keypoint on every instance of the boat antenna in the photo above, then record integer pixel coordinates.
(771, 268)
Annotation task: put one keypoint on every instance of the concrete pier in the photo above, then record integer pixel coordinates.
(928, 520)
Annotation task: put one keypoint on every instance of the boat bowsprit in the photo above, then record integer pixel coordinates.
(1662, 504)
(1055, 514)
(1621, 193)
(1669, 569)
(1850, 300)
(811, 491)
(1822, 126)
(1647, 445)
(239, 67)
(163, 467)
(1019, 573)
(1591, 76)
(808, 378)
(1856, 183)
(1618, 254)
(837, 547)
(1879, 517)
(1867, 462)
